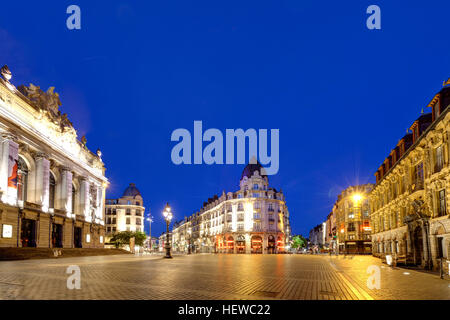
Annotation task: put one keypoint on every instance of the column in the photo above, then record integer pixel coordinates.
(8, 168)
(41, 184)
(248, 240)
(65, 192)
(85, 199)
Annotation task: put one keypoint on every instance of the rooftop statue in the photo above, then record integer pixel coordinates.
(47, 102)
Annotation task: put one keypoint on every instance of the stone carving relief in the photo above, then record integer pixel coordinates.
(47, 103)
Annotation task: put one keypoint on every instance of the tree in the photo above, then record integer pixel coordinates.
(298, 241)
(123, 238)
(139, 238)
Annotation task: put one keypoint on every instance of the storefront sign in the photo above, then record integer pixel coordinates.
(7, 231)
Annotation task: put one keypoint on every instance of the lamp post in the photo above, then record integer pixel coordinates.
(150, 220)
(168, 217)
(357, 199)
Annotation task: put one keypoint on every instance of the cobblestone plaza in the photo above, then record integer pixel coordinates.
(211, 277)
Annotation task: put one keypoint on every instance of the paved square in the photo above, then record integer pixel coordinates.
(207, 277)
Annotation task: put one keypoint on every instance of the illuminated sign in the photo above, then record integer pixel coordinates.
(88, 238)
(7, 231)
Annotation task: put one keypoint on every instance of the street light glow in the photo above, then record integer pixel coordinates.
(357, 197)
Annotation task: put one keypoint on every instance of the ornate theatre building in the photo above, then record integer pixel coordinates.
(52, 188)
(254, 219)
(410, 213)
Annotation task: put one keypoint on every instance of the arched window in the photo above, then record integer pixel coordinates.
(22, 180)
(51, 190)
(74, 193)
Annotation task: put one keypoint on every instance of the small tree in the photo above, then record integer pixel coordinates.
(298, 242)
(139, 238)
(123, 238)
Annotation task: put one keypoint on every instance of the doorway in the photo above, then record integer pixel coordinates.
(28, 233)
(77, 236)
(57, 235)
(418, 246)
(271, 244)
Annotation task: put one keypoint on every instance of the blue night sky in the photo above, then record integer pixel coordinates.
(341, 95)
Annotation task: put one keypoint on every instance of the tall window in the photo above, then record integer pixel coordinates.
(418, 176)
(439, 159)
(74, 193)
(441, 209)
(22, 180)
(51, 190)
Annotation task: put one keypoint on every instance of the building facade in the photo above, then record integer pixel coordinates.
(352, 219)
(317, 236)
(52, 188)
(125, 213)
(410, 200)
(254, 219)
(330, 232)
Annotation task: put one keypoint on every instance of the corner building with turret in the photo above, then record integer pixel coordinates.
(253, 219)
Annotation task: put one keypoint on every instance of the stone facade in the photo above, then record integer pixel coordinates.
(352, 218)
(254, 219)
(125, 213)
(52, 187)
(409, 203)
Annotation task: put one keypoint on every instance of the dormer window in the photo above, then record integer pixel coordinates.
(436, 110)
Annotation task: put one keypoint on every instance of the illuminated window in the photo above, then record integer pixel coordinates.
(442, 205)
(22, 180)
(439, 159)
(73, 199)
(51, 190)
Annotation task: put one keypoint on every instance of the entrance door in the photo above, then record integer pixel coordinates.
(77, 237)
(271, 244)
(256, 244)
(57, 235)
(440, 247)
(240, 244)
(418, 246)
(28, 233)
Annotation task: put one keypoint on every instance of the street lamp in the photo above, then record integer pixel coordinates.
(357, 197)
(150, 220)
(168, 217)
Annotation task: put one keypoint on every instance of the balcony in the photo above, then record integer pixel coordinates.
(417, 185)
